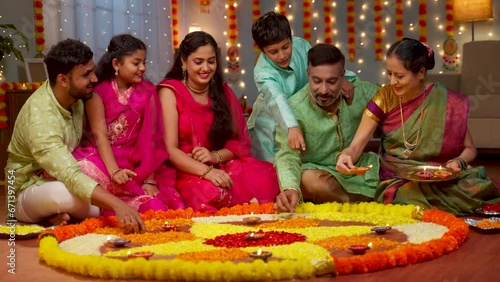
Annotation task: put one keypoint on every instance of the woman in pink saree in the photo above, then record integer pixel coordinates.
(206, 133)
(123, 147)
(422, 124)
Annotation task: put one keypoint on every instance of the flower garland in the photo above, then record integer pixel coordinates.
(4, 87)
(351, 30)
(175, 23)
(306, 7)
(231, 22)
(282, 7)
(377, 8)
(422, 20)
(298, 260)
(328, 19)
(450, 58)
(39, 27)
(255, 17)
(398, 19)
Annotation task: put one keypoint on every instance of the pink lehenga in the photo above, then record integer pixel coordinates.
(253, 179)
(135, 133)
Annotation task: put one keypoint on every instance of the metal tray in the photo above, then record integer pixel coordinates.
(409, 173)
(473, 223)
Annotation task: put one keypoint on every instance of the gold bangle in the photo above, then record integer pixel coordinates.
(206, 172)
(150, 182)
(220, 157)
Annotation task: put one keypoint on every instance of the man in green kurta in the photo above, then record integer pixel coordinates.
(44, 181)
(328, 125)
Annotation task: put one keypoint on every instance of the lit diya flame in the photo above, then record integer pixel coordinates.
(260, 254)
(254, 236)
(169, 227)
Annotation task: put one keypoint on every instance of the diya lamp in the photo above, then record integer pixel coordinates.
(359, 249)
(260, 254)
(118, 242)
(24, 87)
(254, 236)
(168, 226)
(145, 254)
(381, 229)
(251, 219)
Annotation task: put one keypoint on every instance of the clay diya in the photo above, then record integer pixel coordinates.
(361, 169)
(169, 227)
(144, 254)
(358, 249)
(251, 219)
(119, 242)
(260, 254)
(424, 175)
(254, 236)
(442, 174)
(381, 229)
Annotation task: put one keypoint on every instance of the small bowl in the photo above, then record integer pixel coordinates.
(358, 249)
(263, 255)
(169, 227)
(381, 229)
(254, 236)
(145, 255)
(252, 219)
(119, 242)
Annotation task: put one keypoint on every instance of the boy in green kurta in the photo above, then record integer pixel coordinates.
(328, 125)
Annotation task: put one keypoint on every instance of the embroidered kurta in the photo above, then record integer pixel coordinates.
(44, 136)
(271, 108)
(325, 137)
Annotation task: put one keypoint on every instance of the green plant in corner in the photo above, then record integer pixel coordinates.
(7, 44)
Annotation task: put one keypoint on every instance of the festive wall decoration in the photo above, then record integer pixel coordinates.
(422, 20)
(328, 19)
(255, 17)
(175, 23)
(39, 28)
(450, 46)
(4, 87)
(204, 6)
(233, 60)
(282, 7)
(306, 5)
(398, 19)
(351, 30)
(377, 8)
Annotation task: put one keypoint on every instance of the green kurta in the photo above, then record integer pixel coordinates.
(44, 136)
(325, 138)
(276, 86)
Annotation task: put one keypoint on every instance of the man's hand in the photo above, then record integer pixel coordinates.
(344, 164)
(296, 139)
(129, 218)
(347, 91)
(287, 200)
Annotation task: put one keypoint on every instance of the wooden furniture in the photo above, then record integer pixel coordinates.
(15, 101)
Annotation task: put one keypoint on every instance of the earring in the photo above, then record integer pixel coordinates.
(184, 74)
(116, 72)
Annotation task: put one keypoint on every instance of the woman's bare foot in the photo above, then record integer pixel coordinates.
(60, 219)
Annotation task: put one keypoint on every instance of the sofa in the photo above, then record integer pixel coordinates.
(479, 78)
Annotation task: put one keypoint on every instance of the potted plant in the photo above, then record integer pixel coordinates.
(7, 44)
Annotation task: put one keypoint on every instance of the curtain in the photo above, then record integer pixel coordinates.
(94, 22)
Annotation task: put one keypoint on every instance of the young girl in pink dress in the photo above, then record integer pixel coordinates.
(123, 147)
(206, 133)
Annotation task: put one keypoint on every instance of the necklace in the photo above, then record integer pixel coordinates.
(411, 146)
(195, 90)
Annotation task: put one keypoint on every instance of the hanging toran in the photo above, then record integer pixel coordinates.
(377, 8)
(306, 5)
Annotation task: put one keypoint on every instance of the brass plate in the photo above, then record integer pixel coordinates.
(409, 173)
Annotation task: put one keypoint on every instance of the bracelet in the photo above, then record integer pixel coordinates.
(220, 156)
(460, 162)
(337, 156)
(115, 172)
(150, 182)
(206, 172)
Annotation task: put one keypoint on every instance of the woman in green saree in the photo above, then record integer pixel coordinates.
(422, 124)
